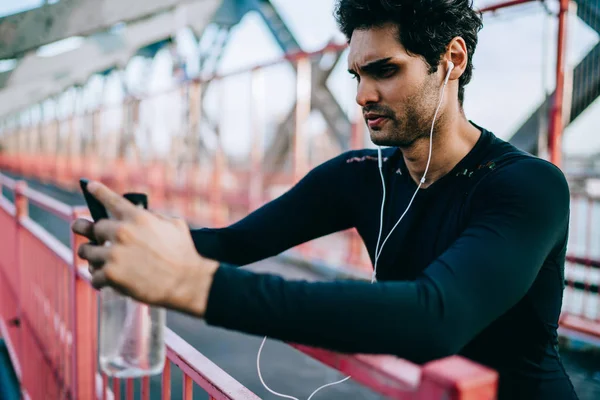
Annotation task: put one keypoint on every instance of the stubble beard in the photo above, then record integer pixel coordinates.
(416, 122)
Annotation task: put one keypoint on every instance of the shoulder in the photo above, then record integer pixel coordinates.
(525, 184)
(507, 168)
(526, 172)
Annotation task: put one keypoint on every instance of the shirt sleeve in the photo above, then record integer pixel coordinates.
(312, 208)
(519, 217)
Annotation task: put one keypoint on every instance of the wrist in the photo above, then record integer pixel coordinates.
(192, 293)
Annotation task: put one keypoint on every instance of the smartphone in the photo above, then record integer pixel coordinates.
(138, 199)
(96, 208)
(98, 211)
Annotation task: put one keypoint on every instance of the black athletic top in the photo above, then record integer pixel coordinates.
(475, 268)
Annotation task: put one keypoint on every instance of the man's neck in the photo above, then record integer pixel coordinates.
(451, 143)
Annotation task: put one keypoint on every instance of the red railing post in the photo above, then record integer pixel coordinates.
(194, 141)
(556, 117)
(83, 324)
(21, 211)
(456, 378)
(303, 107)
(166, 381)
(218, 208)
(257, 101)
(21, 203)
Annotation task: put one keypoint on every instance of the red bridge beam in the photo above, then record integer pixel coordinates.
(506, 4)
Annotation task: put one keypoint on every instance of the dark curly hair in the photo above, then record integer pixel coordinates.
(426, 27)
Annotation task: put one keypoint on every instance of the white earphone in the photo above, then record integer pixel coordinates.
(450, 68)
(377, 249)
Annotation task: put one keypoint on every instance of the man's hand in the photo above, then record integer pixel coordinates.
(146, 256)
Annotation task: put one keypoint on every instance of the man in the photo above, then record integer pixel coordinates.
(468, 242)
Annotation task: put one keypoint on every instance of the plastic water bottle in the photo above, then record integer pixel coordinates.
(131, 333)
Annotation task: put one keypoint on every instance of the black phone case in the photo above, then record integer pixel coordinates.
(97, 210)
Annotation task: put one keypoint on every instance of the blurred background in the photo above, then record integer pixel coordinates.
(214, 107)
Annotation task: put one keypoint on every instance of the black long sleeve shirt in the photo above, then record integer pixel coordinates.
(475, 268)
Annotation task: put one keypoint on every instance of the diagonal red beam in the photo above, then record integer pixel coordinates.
(505, 4)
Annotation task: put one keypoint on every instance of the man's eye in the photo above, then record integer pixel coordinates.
(386, 72)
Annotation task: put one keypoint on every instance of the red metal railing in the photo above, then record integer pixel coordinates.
(581, 304)
(48, 316)
(215, 192)
(197, 191)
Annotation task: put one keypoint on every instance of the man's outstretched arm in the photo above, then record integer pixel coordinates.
(314, 207)
(520, 217)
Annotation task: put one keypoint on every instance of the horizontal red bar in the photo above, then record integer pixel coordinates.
(216, 382)
(580, 324)
(48, 203)
(387, 375)
(8, 182)
(8, 206)
(589, 288)
(584, 261)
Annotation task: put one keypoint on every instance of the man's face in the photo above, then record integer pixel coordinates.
(397, 93)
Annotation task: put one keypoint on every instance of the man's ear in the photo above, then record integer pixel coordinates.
(457, 54)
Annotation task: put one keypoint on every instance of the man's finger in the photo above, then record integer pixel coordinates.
(116, 205)
(96, 255)
(105, 230)
(94, 266)
(99, 278)
(83, 227)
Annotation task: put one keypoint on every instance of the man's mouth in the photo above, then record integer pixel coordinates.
(375, 121)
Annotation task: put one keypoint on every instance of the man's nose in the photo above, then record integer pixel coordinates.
(367, 93)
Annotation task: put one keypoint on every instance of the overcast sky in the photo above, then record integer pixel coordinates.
(514, 66)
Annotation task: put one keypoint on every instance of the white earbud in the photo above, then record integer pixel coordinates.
(450, 68)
